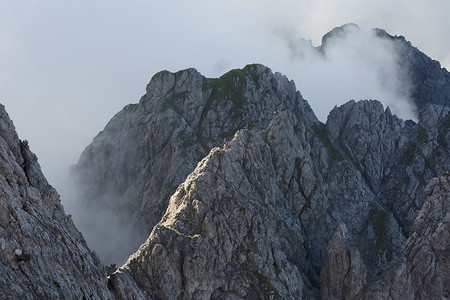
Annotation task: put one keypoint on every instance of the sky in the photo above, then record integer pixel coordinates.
(66, 67)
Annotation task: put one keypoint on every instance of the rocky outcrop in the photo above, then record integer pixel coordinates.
(428, 247)
(43, 256)
(233, 228)
(344, 274)
(394, 158)
(255, 218)
(262, 209)
(421, 272)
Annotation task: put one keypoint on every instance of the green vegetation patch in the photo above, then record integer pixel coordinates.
(230, 87)
(410, 154)
(420, 177)
(187, 139)
(447, 122)
(24, 257)
(170, 102)
(229, 134)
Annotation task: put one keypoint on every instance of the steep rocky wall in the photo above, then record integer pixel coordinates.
(268, 202)
(42, 254)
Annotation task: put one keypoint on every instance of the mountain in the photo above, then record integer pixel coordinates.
(234, 189)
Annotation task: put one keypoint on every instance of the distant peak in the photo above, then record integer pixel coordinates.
(340, 32)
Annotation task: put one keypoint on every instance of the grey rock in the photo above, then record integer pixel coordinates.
(285, 208)
(260, 206)
(134, 165)
(233, 228)
(43, 255)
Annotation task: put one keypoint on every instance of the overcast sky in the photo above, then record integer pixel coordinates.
(66, 67)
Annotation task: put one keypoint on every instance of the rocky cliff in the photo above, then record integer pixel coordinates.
(43, 255)
(430, 83)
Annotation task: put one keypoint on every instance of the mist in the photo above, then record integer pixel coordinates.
(354, 64)
(111, 233)
(67, 67)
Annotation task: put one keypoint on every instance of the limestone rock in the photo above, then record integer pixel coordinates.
(135, 164)
(428, 247)
(344, 273)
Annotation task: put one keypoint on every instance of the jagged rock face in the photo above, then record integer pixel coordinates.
(396, 160)
(428, 247)
(234, 227)
(344, 274)
(43, 256)
(421, 273)
(255, 218)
